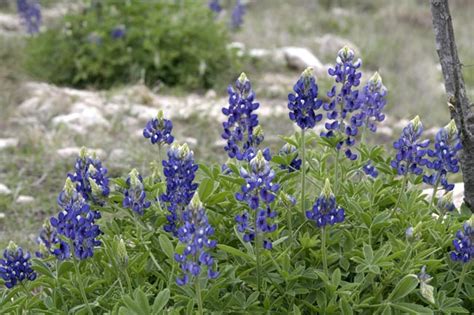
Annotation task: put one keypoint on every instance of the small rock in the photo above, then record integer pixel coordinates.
(9, 22)
(385, 131)
(211, 94)
(8, 143)
(192, 142)
(23, 200)
(330, 44)
(259, 53)
(75, 151)
(431, 132)
(143, 112)
(82, 118)
(2, 215)
(458, 194)
(300, 58)
(400, 124)
(220, 143)
(117, 155)
(238, 47)
(4, 190)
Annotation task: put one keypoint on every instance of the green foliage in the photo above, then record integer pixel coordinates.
(178, 43)
(372, 266)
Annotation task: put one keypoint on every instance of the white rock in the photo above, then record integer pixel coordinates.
(82, 118)
(75, 151)
(300, 58)
(6, 143)
(401, 123)
(4, 190)
(458, 194)
(143, 112)
(9, 22)
(2, 215)
(23, 200)
(192, 142)
(259, 53)
(117, 155)
(384, 130)
(330, 44)
(220, 143)
(211, 94)
(238, 47)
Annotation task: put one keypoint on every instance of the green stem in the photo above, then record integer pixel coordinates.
(257, 252)
(461, 279)
(303, 173)
(198, 296)
(336, 173)
(323, 250)
(290, 224)
(435, 190)
(81, 287)
(129, 282)
(402, 190)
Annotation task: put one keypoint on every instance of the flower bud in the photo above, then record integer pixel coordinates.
(195, 203)
(451, 128)
(83, 153)
(122, 252)
(416, 122)
(258, 163)
(345, 54)
(327, 191)
(134, 178)
(12, 247)
(96, 190)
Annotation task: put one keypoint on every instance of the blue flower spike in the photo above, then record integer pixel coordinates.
(325, 210)
(15, 267)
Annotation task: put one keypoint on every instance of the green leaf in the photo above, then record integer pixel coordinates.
(368, 253)
(161, 300)
(404, 287)
(345, 307)
(205, 189)
(235, 252)
(412, 308)
(65, 267)
(39, 266)
(166, 246)
(142, 301)
(336, 277)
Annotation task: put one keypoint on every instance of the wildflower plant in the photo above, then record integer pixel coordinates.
(30, 14)
(112, 247)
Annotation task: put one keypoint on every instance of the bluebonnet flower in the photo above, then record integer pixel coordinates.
(423, 276)
(180, 171)
(325, 210)
(445, 204)
(15, 267)
(46, 240)
(444, 157)
(118, 32)
(240, 130)
(237, 15)
(409, 233)
(258, 192)
(76, 222)
(134, 195)
(304, 102)
(411, 149)
(90, 178)
(215, 6)
(30, 14)
(464, 243)
(195, 234)
(94, 38)
(370, 170)
(158, 130)
(295, 163)
(372, 101)
(345, 102)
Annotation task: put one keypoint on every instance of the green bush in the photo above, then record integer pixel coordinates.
(177, 43)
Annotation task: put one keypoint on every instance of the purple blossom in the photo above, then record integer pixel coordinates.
(464, 244)
(30, 14)
(304, 102)
(410, 149)
(15, 267)
(215, 6)
(370, 170)
(241, 128)
(344, 102)
(180, 171)
(158, 130)
(444, 157)
(76, 223)
(135, 195)
(237, 15)
(258, 192)
(118, 32)
(195, 235)
(90, 178)
(295, 163)
(325, 210)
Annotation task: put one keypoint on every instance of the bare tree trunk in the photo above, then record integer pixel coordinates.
(458, 102)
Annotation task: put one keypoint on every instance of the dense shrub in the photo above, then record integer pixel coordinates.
(305, 231)
(112, 42)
